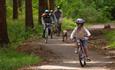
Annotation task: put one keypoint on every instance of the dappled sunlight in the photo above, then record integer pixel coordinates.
(67, 64)
(92, 62)
(53, 67)
(61, 44)
(58, 67)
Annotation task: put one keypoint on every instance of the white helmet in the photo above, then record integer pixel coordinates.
(46, 11)
(80, 21)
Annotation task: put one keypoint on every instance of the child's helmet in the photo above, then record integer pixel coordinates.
(80, 21)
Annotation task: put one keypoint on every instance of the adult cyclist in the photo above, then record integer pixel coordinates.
(46, 20)
(53, 17)
(58, 13)
(54, 21)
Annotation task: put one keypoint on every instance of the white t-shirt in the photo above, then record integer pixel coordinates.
(82, 33)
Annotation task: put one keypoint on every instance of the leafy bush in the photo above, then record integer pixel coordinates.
(68, 24)
(91, 10)
(110, 37)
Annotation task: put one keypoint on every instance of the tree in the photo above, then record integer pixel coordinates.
(3, 26)
(29, 15)
(15, 9)
(20, 5)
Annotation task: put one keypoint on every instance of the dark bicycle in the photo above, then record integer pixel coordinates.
(58, 28)
(48, 32)
(81, 52)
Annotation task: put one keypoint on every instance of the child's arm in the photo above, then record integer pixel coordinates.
(88, 33)
(73, 33)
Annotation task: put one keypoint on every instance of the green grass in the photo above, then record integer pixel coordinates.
(12, 60)
(110, 37)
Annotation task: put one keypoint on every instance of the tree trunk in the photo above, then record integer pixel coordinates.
(3, 26)
(15, 9)
(29, 15)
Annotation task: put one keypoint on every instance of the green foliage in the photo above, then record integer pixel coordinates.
(110, 36)
(68, 24)
(91, 10)
(12, 60)
(17, 33)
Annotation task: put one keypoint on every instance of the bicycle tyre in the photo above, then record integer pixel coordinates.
(82, 59)
(46, 35)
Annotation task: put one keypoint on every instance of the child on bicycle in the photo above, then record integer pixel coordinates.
(80, 32)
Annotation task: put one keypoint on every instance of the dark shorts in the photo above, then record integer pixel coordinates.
(84, 42)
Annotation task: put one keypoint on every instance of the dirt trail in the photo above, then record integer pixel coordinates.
(68, 60)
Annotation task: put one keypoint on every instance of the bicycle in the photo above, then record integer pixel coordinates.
(48, 32)
(81, 53)
(58, 28)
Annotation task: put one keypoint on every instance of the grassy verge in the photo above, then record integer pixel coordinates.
(10, 59)
(110, 37)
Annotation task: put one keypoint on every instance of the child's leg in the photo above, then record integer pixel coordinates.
(86, 51)
(85, 42)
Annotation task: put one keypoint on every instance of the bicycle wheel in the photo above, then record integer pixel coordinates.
(82, 58)
(46, 35)
(51, 32)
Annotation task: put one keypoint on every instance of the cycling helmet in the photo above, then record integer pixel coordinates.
(80, 21)
(46, 11)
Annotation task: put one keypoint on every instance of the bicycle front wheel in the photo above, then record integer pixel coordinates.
(82, 58)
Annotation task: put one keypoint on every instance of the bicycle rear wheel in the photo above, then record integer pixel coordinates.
(82, 58)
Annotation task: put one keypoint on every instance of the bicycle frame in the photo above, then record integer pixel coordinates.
(81, 53)
(48, 27)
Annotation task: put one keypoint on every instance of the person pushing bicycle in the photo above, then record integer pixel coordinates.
(82, 33)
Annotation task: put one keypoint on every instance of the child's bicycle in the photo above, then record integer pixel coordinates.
(81, 52)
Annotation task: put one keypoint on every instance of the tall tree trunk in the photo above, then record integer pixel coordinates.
(29, 14)
(15, 9)
(3, 26)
